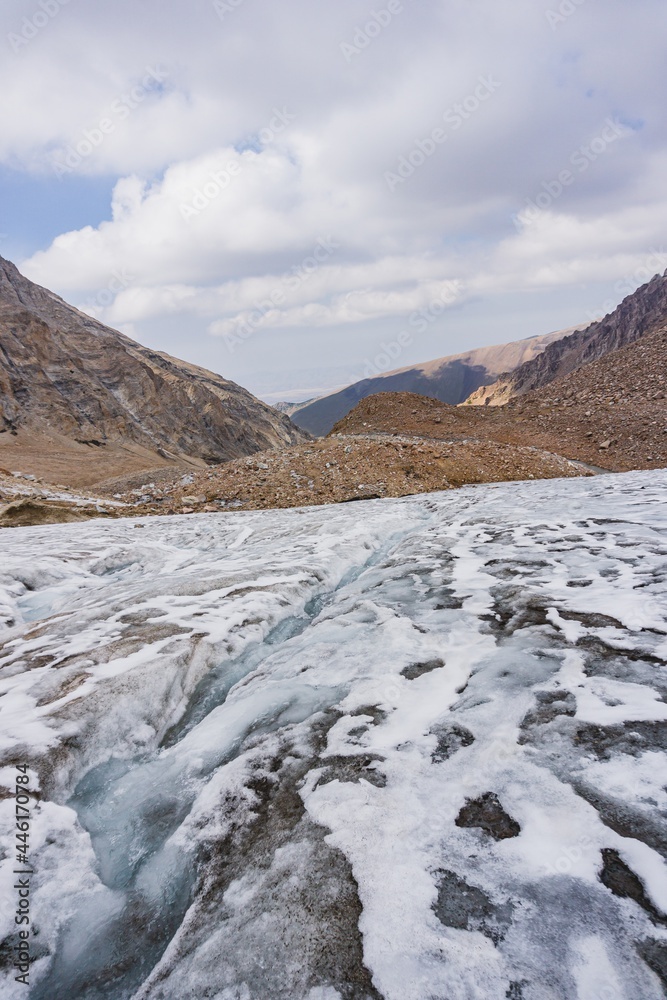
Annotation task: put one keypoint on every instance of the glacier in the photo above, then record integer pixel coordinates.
(406, 749)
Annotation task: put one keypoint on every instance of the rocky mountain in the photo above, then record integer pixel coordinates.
(450, 379)
(640, 313)
(611, 414)
(288, 408)
(80, 402)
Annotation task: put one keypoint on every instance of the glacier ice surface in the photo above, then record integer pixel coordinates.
(406, 749)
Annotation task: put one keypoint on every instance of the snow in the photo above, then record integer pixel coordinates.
(22, 486)
(264, 742)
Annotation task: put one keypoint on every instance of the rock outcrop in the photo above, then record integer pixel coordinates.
(74, 388)
(639, 314)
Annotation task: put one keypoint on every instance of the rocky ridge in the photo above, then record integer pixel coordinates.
(450, 379)
(80, 402)
(611, 414)
(638, 314)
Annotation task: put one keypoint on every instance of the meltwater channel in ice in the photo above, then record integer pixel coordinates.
(406, 749)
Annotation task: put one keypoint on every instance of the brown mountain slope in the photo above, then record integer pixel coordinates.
(640, 313)
(450, 379)
(611, 414)
(80, 402)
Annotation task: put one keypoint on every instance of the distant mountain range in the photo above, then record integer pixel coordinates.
(450, 379)
(610, 413)
(80, 402)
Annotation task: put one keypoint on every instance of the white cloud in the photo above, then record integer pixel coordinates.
(252, 137)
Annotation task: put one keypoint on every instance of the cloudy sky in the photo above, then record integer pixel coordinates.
(281, 191)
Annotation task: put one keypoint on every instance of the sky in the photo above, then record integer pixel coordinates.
(301, 194)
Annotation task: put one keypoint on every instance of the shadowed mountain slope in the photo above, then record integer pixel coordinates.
(638, 314)
(449, 379)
